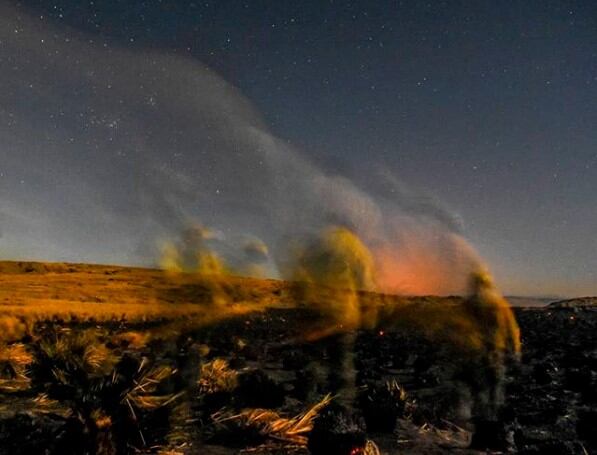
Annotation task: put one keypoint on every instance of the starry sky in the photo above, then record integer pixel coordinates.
(484, 112)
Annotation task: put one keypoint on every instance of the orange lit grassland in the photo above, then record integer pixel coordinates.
(34, 292)
(101, 292)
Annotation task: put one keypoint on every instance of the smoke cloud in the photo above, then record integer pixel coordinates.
(109, 154)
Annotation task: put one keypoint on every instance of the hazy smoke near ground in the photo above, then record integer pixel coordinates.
(107, 154)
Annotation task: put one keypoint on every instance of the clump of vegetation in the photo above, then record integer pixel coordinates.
(216, 384)
(260, 425)
(106, 393)
(14, 362)
(132, 339)
(338, 431)
(382, 405)
(217, 376)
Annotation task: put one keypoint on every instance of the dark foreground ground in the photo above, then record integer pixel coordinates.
(550, 396)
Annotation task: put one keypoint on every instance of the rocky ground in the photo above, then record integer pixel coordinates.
(552, 398)
(550, 403)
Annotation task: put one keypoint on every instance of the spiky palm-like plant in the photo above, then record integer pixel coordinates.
(14, 361)
(106, 393)
(267, 424)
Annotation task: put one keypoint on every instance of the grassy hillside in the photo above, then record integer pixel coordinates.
(102, 291)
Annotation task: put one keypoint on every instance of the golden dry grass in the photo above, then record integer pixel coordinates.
(14, 360)
(272, 425)
(40, 291)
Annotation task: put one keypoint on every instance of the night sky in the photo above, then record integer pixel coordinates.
(483, 115)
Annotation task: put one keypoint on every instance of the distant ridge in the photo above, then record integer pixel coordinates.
(518, 301)
(579, 302)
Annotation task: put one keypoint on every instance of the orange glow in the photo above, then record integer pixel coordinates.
(424, 264)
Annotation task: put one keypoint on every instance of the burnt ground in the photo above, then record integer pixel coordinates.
(550, 396)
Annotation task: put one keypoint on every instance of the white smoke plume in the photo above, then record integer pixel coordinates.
(106, 152)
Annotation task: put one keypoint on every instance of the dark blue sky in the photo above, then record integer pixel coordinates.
(490, 106)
